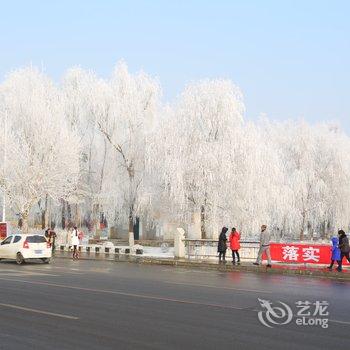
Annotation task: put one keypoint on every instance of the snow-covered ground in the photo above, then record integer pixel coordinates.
(158, 252)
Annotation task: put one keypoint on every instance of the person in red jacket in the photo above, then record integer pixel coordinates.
(235, 236)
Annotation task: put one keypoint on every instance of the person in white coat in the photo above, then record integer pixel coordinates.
(75, 242)
(264, 246)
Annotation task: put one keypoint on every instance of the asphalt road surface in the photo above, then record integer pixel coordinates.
(106, 305)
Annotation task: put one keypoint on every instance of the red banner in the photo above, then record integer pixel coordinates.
(302, 253)
(3, 230)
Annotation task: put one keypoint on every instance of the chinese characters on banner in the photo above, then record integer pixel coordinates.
(3, 230)
(301, 253)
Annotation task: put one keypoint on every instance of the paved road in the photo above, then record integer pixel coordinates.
(106, 305)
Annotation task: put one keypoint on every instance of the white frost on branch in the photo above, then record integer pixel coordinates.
(111, 146)
(42, 151)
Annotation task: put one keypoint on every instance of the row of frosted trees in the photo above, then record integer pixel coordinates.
(112, 146)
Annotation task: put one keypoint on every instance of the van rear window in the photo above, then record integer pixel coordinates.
(36, 239)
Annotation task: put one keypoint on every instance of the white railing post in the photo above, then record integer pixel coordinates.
(179, 245)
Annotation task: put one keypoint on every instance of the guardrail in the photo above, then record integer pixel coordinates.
(207, 248)
(98, 249)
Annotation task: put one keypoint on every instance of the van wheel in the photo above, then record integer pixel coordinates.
(46, 260)
(19, 259)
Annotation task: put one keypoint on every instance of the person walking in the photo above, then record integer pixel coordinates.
(75, 242)
(52, 240)
(336, 254)
(235, 245)
(264, 246)
(222, 245)
(344, 248)
(81, 236)
(47, 233)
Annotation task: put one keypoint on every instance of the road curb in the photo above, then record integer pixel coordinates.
(317, 273)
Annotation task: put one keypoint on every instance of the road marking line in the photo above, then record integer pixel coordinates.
(183, 271)
(218, 287)
(49, 274)
(38, 311)
(142, 296)
(27, 274)
(341, 322)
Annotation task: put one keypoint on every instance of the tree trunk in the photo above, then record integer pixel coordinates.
(103, 164)
(131, 221)
(96, 218)
(48, 212)
(324, 230)
(20, 223)
(90, 161)
(301, 237)
(97, 206)
(131, 204)
(44, 215)
(131, 228)
(63, 214)
(76, 219)
(24, 217)
(69, 213)
(203, 231)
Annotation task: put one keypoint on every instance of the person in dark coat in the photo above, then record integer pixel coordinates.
(222, 247)
(52, 240)
(344, 248)
(336, 254)
(47, 233)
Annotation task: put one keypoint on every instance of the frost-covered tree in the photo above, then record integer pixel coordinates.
(126, 126)
(87, 99)
(315, 190)
(42, 152)
(251, 181)
(195, 147)
(109, 146)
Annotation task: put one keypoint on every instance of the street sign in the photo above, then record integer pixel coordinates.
(3, 230)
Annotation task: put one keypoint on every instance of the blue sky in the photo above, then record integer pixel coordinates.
(290, 58)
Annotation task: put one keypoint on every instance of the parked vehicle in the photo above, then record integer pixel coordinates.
(21, 247)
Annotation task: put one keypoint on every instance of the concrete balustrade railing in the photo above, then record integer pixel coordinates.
(183, 248)
(207, 248)
(106, 250)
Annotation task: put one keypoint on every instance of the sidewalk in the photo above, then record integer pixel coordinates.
(278, 268)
